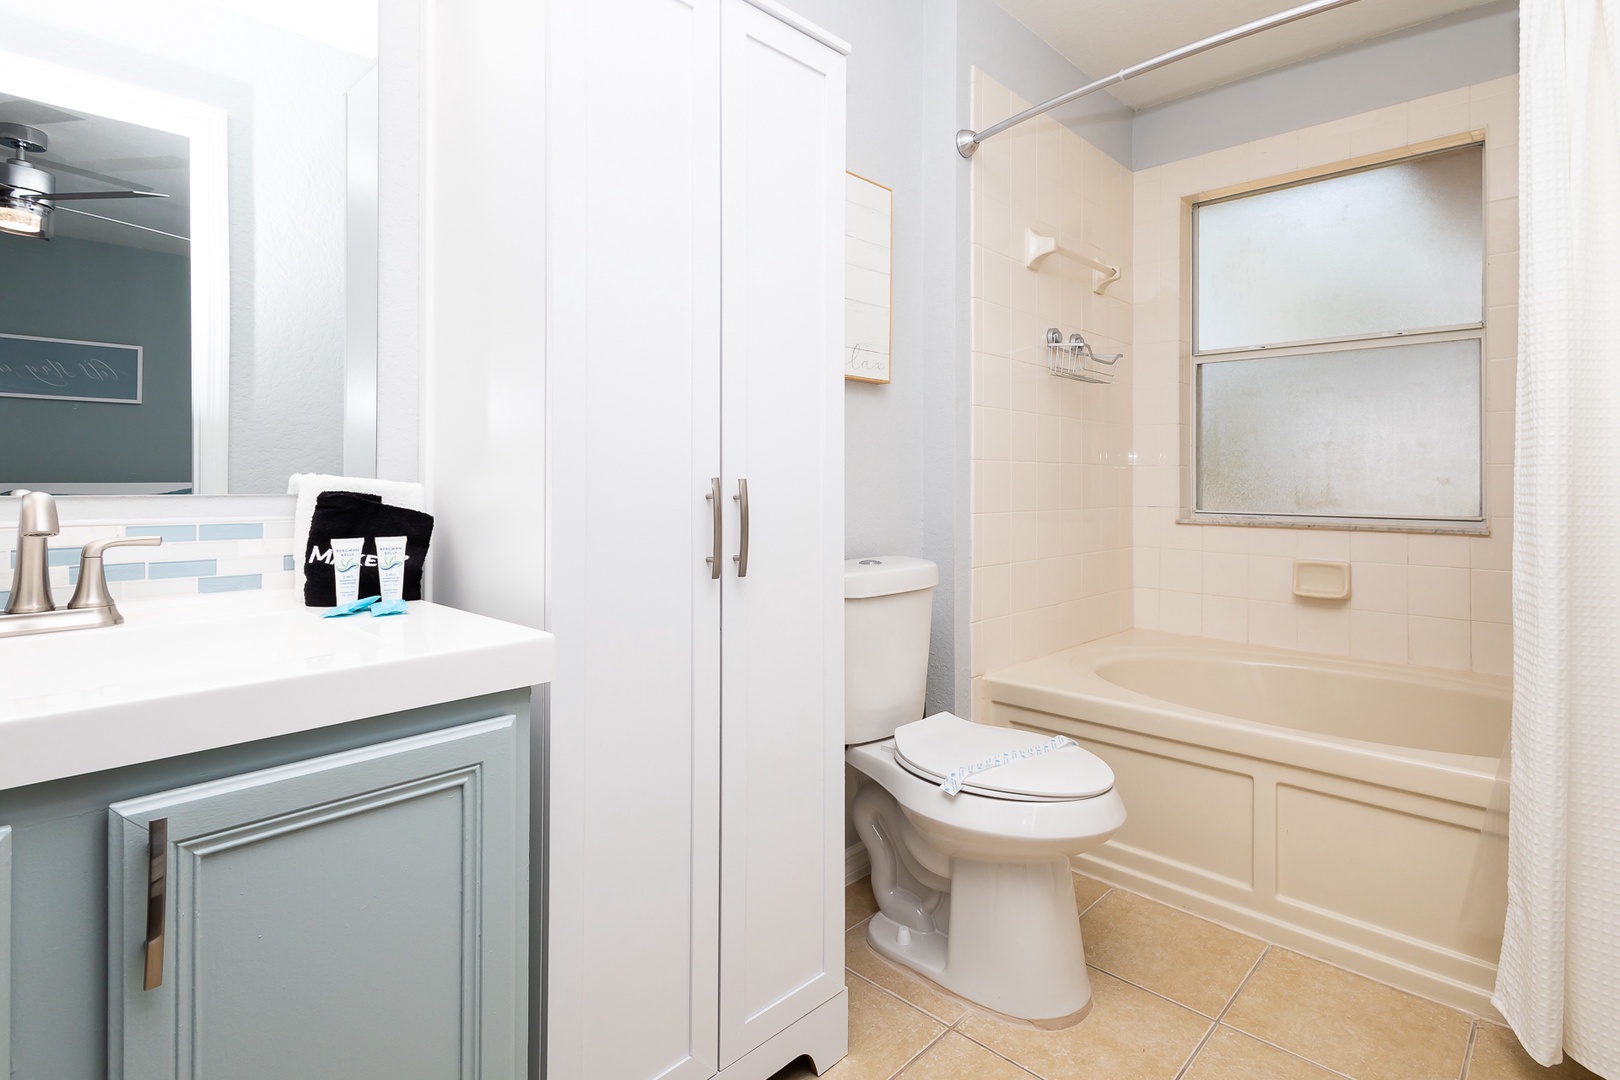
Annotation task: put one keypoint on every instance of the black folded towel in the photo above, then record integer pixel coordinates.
(347, 514)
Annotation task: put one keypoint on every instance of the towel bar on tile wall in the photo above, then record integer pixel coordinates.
(1073, 359)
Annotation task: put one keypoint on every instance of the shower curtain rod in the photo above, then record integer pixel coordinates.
(967, 140)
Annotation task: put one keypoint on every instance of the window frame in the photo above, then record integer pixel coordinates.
(1193, 359)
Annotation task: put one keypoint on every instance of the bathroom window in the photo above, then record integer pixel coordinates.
(1338, 329)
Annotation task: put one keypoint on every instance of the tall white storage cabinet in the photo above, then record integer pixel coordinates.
(695, 438)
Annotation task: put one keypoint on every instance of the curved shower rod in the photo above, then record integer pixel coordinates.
(967, 140)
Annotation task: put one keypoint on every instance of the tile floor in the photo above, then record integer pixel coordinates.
(1177, 998)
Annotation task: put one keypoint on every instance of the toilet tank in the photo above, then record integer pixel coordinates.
(888, 610)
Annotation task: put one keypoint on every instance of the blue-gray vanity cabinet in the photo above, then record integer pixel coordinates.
(5, 949)
(352, 917)
(469, 840)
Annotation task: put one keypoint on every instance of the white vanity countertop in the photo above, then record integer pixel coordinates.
(198, 672)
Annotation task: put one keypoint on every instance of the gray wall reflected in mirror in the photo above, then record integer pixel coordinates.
(299, 302)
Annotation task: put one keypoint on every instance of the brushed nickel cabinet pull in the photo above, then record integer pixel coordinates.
(741, 558)
(714, 501)
(157, 877)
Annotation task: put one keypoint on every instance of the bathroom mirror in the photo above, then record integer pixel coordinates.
(208, 322)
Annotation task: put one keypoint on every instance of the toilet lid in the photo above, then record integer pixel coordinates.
(931, 748)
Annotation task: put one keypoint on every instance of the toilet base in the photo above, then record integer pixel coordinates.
(1013, 945)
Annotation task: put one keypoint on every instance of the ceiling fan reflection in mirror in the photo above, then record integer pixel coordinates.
(28, 195)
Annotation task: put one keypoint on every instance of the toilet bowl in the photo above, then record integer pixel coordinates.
(974, 890)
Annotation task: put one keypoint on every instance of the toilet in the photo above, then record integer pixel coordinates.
(973, 890)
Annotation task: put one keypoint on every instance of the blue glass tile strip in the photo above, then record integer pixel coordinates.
(58, 557)
(238, 531)
(5, 598)
(231, 583)
(172, 534)
(288, 562)
(128, 571)
(188, 568)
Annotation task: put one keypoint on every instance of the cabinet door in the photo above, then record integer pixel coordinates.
(361, 916)
(5, 949)
(633, 388)
(782, 139)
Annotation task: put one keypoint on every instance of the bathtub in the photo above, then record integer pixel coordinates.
(1329, 805)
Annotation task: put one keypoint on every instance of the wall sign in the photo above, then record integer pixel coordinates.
(36, 367)
(868, 279)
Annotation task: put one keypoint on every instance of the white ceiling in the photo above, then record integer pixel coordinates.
(1102, 36)
(123, 157)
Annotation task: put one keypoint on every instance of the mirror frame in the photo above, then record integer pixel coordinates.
(205, 127)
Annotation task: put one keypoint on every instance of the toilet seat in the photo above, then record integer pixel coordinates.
(932, 747)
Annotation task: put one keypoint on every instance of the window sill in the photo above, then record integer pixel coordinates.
(1475, 527)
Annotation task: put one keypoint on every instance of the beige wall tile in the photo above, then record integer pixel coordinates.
(1323, 627)
(1439, 643)
(1491, 651)
(1348, 1023)
(1129, 1035)
(1492, 595)
(1376, 635)
(1274, 625)
(1377, 586)
(1438, 591)
(1498, 1056)
(1052, 437)
(1187, 959)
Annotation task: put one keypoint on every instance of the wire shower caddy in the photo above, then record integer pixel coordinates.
(1073, 359)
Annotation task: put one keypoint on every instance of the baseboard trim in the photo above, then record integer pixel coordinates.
(856, 863)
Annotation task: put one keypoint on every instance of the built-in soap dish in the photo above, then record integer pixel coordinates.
(1321, 580)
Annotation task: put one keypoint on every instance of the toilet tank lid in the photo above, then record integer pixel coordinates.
(885, 575)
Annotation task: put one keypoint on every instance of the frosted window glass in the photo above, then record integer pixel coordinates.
(1400, 247)
(1390, 432)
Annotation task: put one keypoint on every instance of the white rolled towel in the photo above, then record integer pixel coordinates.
(308, 486)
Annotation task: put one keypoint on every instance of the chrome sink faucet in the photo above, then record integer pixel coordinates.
(31, 608)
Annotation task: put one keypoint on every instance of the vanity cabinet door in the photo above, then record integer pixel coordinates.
(5, 949)
(360, 916)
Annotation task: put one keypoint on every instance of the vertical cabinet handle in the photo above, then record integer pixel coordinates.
(741, 558)
(714, 502)
(157, 888)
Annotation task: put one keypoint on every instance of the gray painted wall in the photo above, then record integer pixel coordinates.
(1469, 47)
(85, 291)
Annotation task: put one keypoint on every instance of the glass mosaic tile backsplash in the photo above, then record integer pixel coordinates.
(206, 557)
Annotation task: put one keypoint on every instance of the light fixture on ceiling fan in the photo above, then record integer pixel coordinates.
(28, 193)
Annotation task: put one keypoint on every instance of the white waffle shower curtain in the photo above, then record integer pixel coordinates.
(1559, 983)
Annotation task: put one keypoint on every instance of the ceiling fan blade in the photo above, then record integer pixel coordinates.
(91, 174)
(127, 224)
(61, 196)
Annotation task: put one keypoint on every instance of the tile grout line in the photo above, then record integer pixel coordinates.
(1468, 1051)
(913, 1059)
(1019, 1065)
(1215, 1025)
(1099, 899)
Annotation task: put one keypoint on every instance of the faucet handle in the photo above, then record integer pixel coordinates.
(92, 588)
